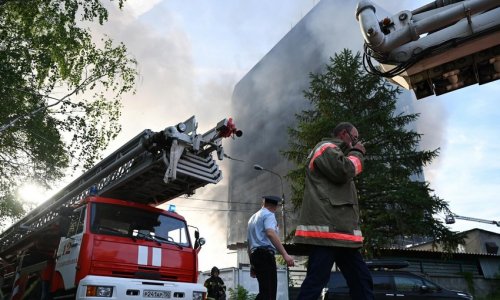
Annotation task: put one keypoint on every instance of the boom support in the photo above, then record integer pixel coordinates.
(437, 48)
(152, 168)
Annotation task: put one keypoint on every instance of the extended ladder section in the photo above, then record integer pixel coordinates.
(450, 219)
(152, 168)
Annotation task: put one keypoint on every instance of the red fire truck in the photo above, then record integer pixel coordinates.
(102, 236)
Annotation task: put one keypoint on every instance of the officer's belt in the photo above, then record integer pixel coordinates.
(263, 250)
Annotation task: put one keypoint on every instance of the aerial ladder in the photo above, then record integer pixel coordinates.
(152, 168)
(435, 49)
(450, 219)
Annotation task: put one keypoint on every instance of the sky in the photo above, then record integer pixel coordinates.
(192, 53)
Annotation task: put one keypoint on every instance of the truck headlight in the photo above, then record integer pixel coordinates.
(99, 291)
(198, 295)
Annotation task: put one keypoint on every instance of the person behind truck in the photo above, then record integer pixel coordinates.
(329, 215)
(263, 243)
(216, 289)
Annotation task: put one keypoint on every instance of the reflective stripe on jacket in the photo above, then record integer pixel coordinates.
(329, 214)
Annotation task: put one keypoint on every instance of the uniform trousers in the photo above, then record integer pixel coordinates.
(264, 264)
(351, 265)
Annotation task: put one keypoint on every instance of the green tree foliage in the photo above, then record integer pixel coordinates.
(395, 202)
(60, 91)
(240, 293)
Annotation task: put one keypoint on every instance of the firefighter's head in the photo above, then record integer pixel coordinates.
(215, 271)
(347, 133)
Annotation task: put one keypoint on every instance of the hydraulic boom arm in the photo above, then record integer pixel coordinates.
(437, 48)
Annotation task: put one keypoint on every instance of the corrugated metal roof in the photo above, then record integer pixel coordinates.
(434, 252)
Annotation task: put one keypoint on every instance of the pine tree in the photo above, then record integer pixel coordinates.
(395, 202)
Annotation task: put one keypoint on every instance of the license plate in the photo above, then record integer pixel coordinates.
(156, 294)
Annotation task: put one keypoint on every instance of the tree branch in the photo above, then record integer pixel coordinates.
(78, 88)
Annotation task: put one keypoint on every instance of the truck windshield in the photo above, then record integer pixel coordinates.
(131, 222)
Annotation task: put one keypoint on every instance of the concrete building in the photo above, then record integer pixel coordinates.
(476, 241)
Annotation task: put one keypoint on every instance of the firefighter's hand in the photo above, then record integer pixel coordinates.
(359, 147)
(289, 260)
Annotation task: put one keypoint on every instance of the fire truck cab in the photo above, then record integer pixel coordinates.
(127, 249)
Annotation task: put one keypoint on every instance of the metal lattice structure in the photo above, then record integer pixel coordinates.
(152, 168)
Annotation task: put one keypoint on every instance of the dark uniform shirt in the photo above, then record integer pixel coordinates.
(215, 288)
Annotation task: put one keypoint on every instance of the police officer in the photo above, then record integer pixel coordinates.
(263, 243)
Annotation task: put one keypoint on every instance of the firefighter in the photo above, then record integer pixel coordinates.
(329, 216)
(216, 289)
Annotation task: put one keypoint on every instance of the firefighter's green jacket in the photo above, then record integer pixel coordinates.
(329, 215)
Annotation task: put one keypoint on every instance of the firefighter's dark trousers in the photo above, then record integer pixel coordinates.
(351, 264)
